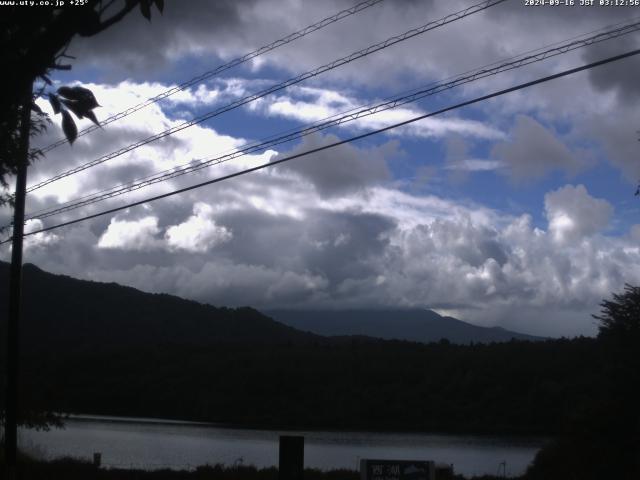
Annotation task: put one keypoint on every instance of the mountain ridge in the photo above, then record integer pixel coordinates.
(60, 310)
(415, 325)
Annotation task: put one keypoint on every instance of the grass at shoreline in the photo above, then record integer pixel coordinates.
(75, 469)
(72, 469)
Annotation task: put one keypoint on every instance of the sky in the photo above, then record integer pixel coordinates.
(516, 212)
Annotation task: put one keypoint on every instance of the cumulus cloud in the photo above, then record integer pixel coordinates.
(383, 249)
(198, 233)
(197, 142)
(131, 234)
(503, 275)
(574, 214)
(38, 240)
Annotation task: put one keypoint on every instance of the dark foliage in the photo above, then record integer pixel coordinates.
(602, 440)
(514, 387)
(620, 319)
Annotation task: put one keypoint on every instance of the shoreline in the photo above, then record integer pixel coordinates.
(149, 445)
(71, 469)
(87, 417)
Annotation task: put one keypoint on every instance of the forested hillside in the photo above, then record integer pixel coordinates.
(510, 387)
(107, 349)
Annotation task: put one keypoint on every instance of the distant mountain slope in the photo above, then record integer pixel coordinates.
(61, 312)
(414, 325)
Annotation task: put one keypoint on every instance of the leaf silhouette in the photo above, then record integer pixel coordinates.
(145, 9)
(92, 116)
(75, 107)
(80, 94)
(36, 108)
(55, 103)
(69, 126)
(160, 5)
(66, 92)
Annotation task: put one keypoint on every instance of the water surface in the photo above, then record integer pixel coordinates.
(156, 443)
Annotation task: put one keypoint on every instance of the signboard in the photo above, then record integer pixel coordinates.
(396, 470)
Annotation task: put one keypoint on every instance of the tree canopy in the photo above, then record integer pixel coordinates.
(602, 439)
(620, 317)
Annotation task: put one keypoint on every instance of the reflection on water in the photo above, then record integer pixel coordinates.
(150, 444)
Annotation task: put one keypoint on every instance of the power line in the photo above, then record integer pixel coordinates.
(351, 115)
(342, 142)
(280, 86)
(224, 67)
(606, 33)
(274, 88)
(329, 122)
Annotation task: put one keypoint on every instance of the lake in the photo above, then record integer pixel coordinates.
(152, 444)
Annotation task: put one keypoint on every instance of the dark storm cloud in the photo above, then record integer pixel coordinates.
(228, 28)
(335, 245)
(620, 77)
(346, 242)
(342, 169)
(137, 45)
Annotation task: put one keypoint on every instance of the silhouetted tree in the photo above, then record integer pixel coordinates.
(33, 42)
(619, 335)
(620, 319)
(603, 440)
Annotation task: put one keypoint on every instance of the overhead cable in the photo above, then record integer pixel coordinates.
(277, 87)
(352, 115)
(341, 142)
(222, 68)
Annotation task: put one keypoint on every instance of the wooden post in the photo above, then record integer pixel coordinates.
(291, 466)
(15, 290)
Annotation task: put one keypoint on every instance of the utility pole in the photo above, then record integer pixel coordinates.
(15, 290)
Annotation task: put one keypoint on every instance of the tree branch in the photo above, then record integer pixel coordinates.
(106, 7)
(130, 5)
